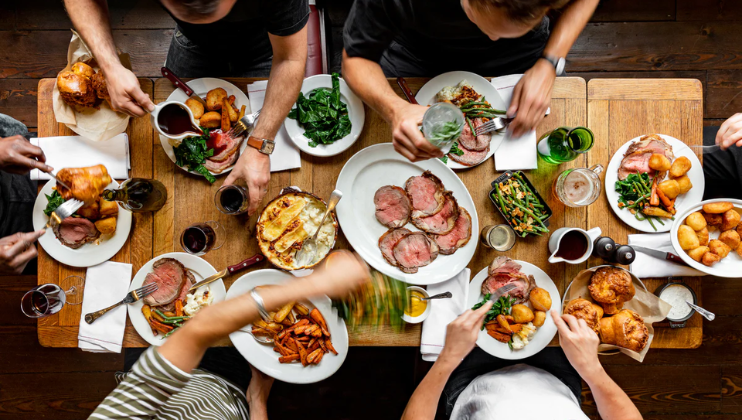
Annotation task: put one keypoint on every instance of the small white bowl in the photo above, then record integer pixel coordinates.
(420, 318)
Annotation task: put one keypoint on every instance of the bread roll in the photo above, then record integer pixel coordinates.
(625, 329)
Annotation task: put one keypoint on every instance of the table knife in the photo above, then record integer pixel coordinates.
(229, 270)
(167, 73)
(501, 292)
(663, 255)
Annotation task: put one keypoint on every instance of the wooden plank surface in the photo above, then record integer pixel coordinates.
(620, 110)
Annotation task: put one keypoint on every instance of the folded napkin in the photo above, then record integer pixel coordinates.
(442, 313)
(76, 152)
(514, 153)
(286, 154)
(105, 284)
(645, 266)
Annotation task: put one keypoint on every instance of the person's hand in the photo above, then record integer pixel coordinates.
(462, 333)
(126, 94)
(17, 250)
(18, 156)
(531, 97)
(406, 135)
(257, 394)
(342, 273)
(254, 169)
(730, 133)
(579, 343)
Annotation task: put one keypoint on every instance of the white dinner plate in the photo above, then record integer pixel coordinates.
(201, 87)
(543, 335)
(355, 112)
(681, 203)
(426, 96)
(200, 269)
(89, 254)
(730, 266)
(371, 169)
(265, 359)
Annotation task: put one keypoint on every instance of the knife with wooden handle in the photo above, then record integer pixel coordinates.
(663, 255)
(229, 270)
(168, 74)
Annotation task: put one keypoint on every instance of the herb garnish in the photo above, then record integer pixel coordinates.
(55, 200)
(192, 153)
(501, 307)
(455, 149)
(322, 114)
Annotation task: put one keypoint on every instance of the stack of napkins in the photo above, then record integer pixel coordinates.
(286, 155)
(442, 312)
(77, 152)
(514, 153)
(105, 284)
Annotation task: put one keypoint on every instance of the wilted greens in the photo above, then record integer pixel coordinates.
(192, 153)
(55, 200)
(322, 114)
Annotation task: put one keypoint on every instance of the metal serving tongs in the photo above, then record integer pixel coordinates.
(308, 251)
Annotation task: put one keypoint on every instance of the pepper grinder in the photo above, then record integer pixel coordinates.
(607, 249)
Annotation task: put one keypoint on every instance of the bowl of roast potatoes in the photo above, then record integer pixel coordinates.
(708, 237)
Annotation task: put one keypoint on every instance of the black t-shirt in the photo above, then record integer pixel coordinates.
(439, 35)
(247, 25)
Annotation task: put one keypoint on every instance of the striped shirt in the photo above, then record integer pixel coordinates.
(156, 389)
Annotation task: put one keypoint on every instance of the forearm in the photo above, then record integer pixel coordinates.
(568, 27)
(90, 19)
(424, 401)
(367, 80)
(611, 400)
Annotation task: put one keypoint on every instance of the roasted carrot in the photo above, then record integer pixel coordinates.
(302, 352)
(665, 201)
(289, 359)
(178, 307)
(654, 199)
(313, 355)
(328, 343)
(317, 316)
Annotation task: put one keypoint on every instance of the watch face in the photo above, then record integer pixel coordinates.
(560, 66)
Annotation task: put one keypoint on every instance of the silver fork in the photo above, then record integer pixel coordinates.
(67, 209)
(495, 124)
(259, 338)
(243, 124)
(131, 297)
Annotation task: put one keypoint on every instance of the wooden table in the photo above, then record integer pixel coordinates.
(190, 201)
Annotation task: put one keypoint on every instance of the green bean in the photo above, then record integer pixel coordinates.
(528, 212)
(171, 318)
(650, 222)
(661, 222)
(471, 126)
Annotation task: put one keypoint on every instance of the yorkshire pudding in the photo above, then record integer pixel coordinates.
(86, 183)
(584, 309)
(76, 89)
(625, 329)
(611, 287)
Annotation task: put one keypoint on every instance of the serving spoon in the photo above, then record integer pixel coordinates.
(704, 313)
(308, 251)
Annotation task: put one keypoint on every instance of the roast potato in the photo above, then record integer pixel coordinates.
(684, 183)
(107, 225)
(670, 188)
(214, 99)
(696, 221)
(108, 208)
(710, 259)
(739, 229)
(739, 250)
(656, 211)
(729, 220)
(196, 107)
(731, 238)
(718, 207)
(540, 299)
(522, 314)
(719, 248)
(712, 219)
(703, 236)
(211, 119)
(233, 115)
(90, 211)
(680, 167)
(659, 162)
(697, 253)
(539, 317)
(687, 238)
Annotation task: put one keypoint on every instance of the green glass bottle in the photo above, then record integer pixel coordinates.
(565, 144)
(139, 195)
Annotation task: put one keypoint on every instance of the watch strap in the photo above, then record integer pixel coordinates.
(264, 146)
(261, 306)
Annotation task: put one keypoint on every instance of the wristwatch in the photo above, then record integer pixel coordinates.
(261, 306)
(264, 146)
(557, 62)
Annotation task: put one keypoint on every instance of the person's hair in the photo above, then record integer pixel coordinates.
(198, 8)
(520, 10)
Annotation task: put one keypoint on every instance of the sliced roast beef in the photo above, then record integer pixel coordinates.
(190, 281)
(426, 194)
(414, 250)
(230, 147)
(635, 163)
(169, 274)
(470, 157)
(219, 167)
(505, 265)
(523, 285)
(393, 207)
(387, 242)
(472, 143)
(458, 236)
(636, 158)
(442, 222)
(651, 142)
(75, 232)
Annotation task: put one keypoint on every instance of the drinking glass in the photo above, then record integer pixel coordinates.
(200, 238)
(48, 299)
(498, 237)
(232, 199)
(565, 144)
(578, 187)
(438, 119)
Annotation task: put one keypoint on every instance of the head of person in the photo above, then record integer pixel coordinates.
(199, 11)
(508, 18)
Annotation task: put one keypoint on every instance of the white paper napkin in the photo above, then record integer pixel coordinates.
(645, 266)
(442, 312)
(76, 152)
(105, 284)
(285, 155)
(514, 153)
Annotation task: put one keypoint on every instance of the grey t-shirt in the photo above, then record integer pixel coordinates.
(435, 36)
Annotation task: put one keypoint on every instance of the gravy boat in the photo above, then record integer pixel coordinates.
(556, 238)
(174, 138)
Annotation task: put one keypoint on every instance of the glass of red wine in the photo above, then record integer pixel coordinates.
(48, 299)
(232, 199)
(200, 238)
